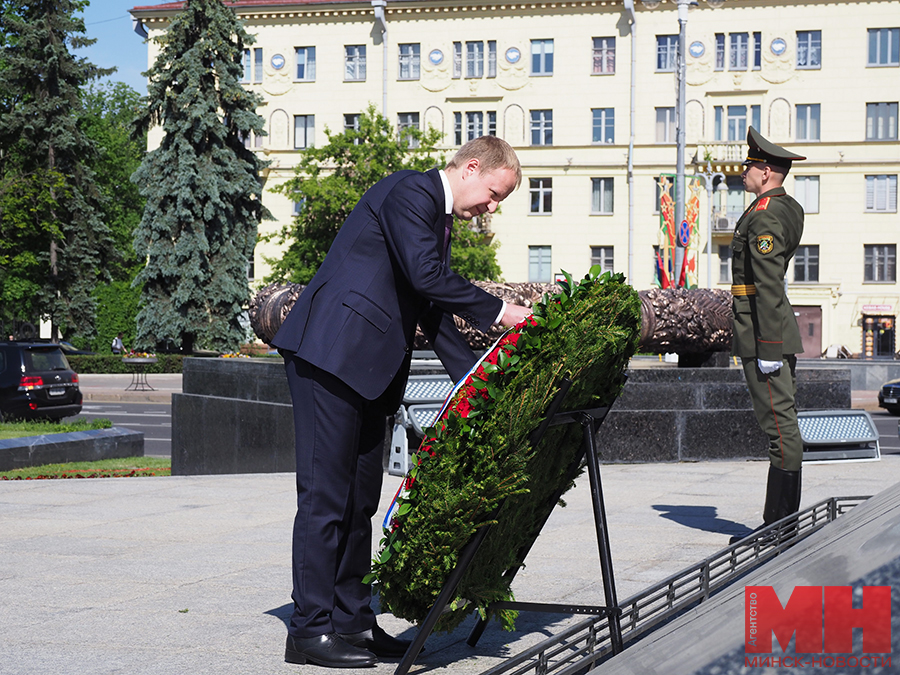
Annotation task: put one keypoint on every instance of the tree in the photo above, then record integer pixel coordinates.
(330, 180)
(109, 112)
(53, 244)
(201, 184)
(473, 254)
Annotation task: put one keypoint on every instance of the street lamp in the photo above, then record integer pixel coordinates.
(680, 115)
(709, 176)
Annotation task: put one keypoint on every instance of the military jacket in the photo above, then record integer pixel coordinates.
(765, 239)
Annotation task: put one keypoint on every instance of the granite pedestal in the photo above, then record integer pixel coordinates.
(689, 414)
(234, 416)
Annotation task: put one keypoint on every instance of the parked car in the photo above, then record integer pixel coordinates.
(889, 397)
(36, 382)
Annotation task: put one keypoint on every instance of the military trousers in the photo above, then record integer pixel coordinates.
(773, 403)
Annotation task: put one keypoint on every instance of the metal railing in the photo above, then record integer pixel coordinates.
(588, 642)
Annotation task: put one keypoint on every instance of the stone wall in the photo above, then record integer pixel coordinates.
(75, 446)
(235, 416)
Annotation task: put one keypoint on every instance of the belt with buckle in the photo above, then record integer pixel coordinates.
(743, 289)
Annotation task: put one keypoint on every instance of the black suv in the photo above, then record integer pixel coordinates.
(36, 382)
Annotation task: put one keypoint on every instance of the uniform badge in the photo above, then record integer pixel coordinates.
(765, 243)
(763, 204)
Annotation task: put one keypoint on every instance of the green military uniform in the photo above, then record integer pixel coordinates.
(765, 330)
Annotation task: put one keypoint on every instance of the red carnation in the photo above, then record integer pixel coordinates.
(463, 407)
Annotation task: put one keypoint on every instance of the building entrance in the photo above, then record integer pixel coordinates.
(879, 336)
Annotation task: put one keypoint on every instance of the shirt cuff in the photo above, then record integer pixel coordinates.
(502, 312)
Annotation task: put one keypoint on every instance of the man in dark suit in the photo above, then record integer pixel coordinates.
(766, 336)
(347, 345)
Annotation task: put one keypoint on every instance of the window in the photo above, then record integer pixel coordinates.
(297, 208)
(351, 122)
(806, 264)
(409, 61)
(306, 63)
(720, 51)
(738, 51)
(492, 58)
(809, 49)
(880, 262)
(881, 194)
(251, 268)
(724, 264)
(457, 60)
(541, 190)
(603, 125)
(542, 57)
(253, 65)
(666, 53)
(457, 128)
(602, 195)
(603, 256)
(757, 51)
(492, 123)
(808, 122)
(542, 127)
(354, 63)
(884, 47)
(806, 192)
(604, 56)
(405, 122)
(304, 130)
(881, 121)
(665, 125)
(474, 59)
(474, 125)
(539, 269)
(731, 121)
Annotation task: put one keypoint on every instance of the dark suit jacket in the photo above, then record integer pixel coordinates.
(386, 272)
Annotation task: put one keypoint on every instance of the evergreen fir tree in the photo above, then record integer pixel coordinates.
(201, 184)
(53, 243)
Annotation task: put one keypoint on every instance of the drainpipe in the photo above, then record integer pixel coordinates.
(629, 6)
(381, 22)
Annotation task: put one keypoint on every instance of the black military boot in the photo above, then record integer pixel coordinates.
(782, 498)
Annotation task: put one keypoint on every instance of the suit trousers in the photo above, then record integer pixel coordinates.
(339, 447)
(773, 403)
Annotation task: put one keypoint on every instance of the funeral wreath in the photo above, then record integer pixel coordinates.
(476, 465)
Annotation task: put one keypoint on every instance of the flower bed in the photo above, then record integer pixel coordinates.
(478, 457)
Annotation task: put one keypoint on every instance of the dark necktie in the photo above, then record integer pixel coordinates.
(448, 227)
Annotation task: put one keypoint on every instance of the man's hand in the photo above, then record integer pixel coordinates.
(766, 367)
(514, 314)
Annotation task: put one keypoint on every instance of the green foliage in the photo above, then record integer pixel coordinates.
(109, 112)
(104, 468)
(330, 180)
(477, 465)
(472, 256)
(202, 186)
(117, 308)
(53, 244)
(87, 364)
(23, 429)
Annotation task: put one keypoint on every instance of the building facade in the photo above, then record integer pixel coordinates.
(586, 93)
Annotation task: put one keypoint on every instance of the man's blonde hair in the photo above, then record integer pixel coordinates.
(491, 152)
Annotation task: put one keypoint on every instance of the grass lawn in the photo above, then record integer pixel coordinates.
(42, 427)
(105, 468)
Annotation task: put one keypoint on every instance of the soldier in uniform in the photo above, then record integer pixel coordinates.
(766, 337)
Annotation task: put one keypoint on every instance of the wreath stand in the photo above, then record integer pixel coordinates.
(590, 420)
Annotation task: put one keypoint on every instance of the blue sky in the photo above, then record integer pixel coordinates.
(117, 43)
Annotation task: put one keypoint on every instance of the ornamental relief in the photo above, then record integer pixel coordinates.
(777, 69)
(437, 76)
(278, 82)
(511, 76)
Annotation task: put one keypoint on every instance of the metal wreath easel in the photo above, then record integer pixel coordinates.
(590, 420)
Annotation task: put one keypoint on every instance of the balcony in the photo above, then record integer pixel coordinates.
(732, 152)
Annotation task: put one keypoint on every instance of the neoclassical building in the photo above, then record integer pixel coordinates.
(586, 93)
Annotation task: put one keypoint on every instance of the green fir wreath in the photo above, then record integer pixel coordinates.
(477, 455)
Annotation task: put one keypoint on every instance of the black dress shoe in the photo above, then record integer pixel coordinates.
(378, 642)
(327, 650)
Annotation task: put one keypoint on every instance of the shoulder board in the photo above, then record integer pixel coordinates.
(763, 204)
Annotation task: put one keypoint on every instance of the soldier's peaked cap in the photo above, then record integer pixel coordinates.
(767, 152)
